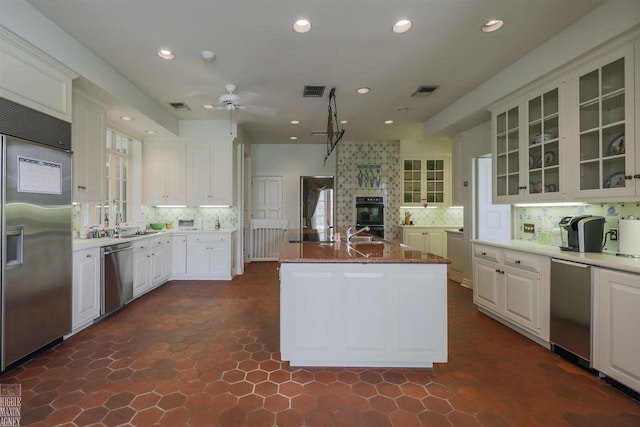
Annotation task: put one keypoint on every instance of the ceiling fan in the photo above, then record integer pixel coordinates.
(230, 101)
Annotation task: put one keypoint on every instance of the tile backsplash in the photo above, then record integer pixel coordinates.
(445, 217)
(368, 168)
(546, 218)
(228, 217)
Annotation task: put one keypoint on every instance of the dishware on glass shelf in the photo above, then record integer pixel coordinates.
(532, 161)
(616, 146)
(549, 158)
(535, 187)
(539, 137)
(615, 180)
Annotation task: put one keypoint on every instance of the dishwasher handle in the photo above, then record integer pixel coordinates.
(113, 251)
(574, 264)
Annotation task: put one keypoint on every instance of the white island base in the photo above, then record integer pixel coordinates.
(363, 315)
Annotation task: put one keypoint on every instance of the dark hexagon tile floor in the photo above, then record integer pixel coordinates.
(206, 354)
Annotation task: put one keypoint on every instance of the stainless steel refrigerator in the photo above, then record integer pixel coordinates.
(36, 231)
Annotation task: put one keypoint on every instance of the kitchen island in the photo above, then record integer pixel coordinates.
(370, 304)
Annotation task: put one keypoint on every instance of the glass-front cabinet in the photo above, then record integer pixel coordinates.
(426, 181)
(601, 100)
(529, 146)
(507, 153)
(545, 143)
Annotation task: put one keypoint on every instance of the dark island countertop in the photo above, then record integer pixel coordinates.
(382, 252)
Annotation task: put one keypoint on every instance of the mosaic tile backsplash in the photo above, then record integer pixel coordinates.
(445, 217)
(228, 217)
(546, 220)
(368, 169)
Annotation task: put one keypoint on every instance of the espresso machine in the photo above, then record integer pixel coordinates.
(582, 233)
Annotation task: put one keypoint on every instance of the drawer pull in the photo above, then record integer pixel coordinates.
(517, 261)
(522, 187)
(88, 255)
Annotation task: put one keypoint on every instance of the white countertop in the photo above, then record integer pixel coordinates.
(604, 259)
(81, 244)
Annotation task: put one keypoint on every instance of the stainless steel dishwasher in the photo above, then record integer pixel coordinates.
(571, 303)
(117, 277)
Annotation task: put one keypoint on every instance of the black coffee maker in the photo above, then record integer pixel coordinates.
(582, 233)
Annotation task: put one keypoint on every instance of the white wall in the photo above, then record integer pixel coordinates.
(476, 142)
(291, 162)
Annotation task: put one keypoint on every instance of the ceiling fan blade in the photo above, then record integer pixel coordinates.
(263, 111)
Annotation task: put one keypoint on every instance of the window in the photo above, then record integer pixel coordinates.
(117, 175)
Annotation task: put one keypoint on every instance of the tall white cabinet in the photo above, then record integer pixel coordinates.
(163, 173)
(89, 130)
(209, 172)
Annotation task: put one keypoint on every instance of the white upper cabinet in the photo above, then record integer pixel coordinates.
(209, 173)
(600, 101)
(426, 181)
(89, 129)
(163, 169)
(31, 78)
(528, 145)
(572, 135)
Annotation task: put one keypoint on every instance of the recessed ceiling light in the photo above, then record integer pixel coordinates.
(166, 54)
(302, 26)
(402, 26)
(363, 90)
(208, 106)
(126, 118)
(493, 25)
(295, 122)
(150, 132)
(344, 122)
(388, 122)
(207, 55)
(293, 138)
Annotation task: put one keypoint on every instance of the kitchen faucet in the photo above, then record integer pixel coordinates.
(351, 233)
(118, 221)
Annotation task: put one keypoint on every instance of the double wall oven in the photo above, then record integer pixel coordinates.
(370, 212)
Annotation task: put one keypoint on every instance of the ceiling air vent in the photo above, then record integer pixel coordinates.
(313, 91)
(180, 106)
(424, 90)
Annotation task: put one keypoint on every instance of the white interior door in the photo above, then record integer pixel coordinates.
(493, 222)
(266, 197)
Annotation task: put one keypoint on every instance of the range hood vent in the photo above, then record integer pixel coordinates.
(313, 91)
(424, 90)
(180, 106)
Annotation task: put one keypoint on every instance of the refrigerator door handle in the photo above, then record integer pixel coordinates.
(14, 248)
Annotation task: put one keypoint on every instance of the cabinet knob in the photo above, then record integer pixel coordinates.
(628, 177)
(484, 253)
(517, 261)
(522, 187)
(636, 175)
(88, 255)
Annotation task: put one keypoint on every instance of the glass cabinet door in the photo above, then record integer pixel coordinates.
(435, 184)
(507, 153)
(412, 181)
(543, 139)
(603, 117)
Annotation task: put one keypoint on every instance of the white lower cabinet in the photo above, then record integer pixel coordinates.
(151, 261)
(616, 326)
(86, 288)
(426, 239)
(141, 267)
(179, 255)
(209, 256)
(514, 286)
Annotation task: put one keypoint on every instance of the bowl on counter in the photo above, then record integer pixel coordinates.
(157, 225)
